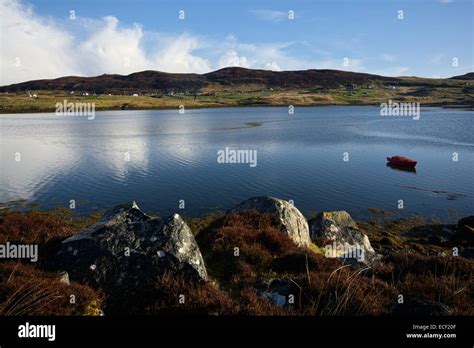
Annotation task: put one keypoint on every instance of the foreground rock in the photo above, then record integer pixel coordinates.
(281, 292)
(292, 222)
(465, 230)
(128, 249)
(341, 237)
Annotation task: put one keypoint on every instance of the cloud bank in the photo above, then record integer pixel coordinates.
(36, 47)
(33, 47)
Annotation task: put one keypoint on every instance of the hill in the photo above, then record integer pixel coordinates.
(156, 81)
(468, 76)
(233, 87)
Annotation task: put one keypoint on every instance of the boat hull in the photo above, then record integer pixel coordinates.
(402, 161)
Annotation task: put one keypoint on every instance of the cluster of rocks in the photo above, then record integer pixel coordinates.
(127, 249)
(347, 241)
(336, 231)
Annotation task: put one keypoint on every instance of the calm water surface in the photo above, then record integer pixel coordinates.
(173, 157)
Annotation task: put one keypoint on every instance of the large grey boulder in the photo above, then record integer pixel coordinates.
(292, 222)
(127, 250)
(343, 238)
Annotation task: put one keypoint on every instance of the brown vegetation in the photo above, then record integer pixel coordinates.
(321, 285)
(45, 228)
(240, 250)
(26, 290)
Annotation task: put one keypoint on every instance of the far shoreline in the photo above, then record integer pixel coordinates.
(257, 105)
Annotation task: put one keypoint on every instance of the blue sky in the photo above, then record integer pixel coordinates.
(120, 36)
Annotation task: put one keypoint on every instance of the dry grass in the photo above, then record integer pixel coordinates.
(40, 226)
(324, 286)
(445, 279)
(45, 228)
(345, 291)
(320, 286)
(175, 295)
(238, 248)
(25, 290)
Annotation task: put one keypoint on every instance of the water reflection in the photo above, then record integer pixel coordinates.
(174, 157)
(402, 168)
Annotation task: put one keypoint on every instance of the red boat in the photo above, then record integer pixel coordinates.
(402, 161)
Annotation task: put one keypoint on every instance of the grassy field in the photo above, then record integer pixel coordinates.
(428, 92)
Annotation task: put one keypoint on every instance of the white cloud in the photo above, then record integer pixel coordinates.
(275, 56)
(272, 66)
(232, 58)
(259, 56)
(113, 50)
(36, 48)
(176, 55)
(48, 48)
(32, 47)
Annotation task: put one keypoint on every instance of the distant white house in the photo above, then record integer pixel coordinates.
(135, 94)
